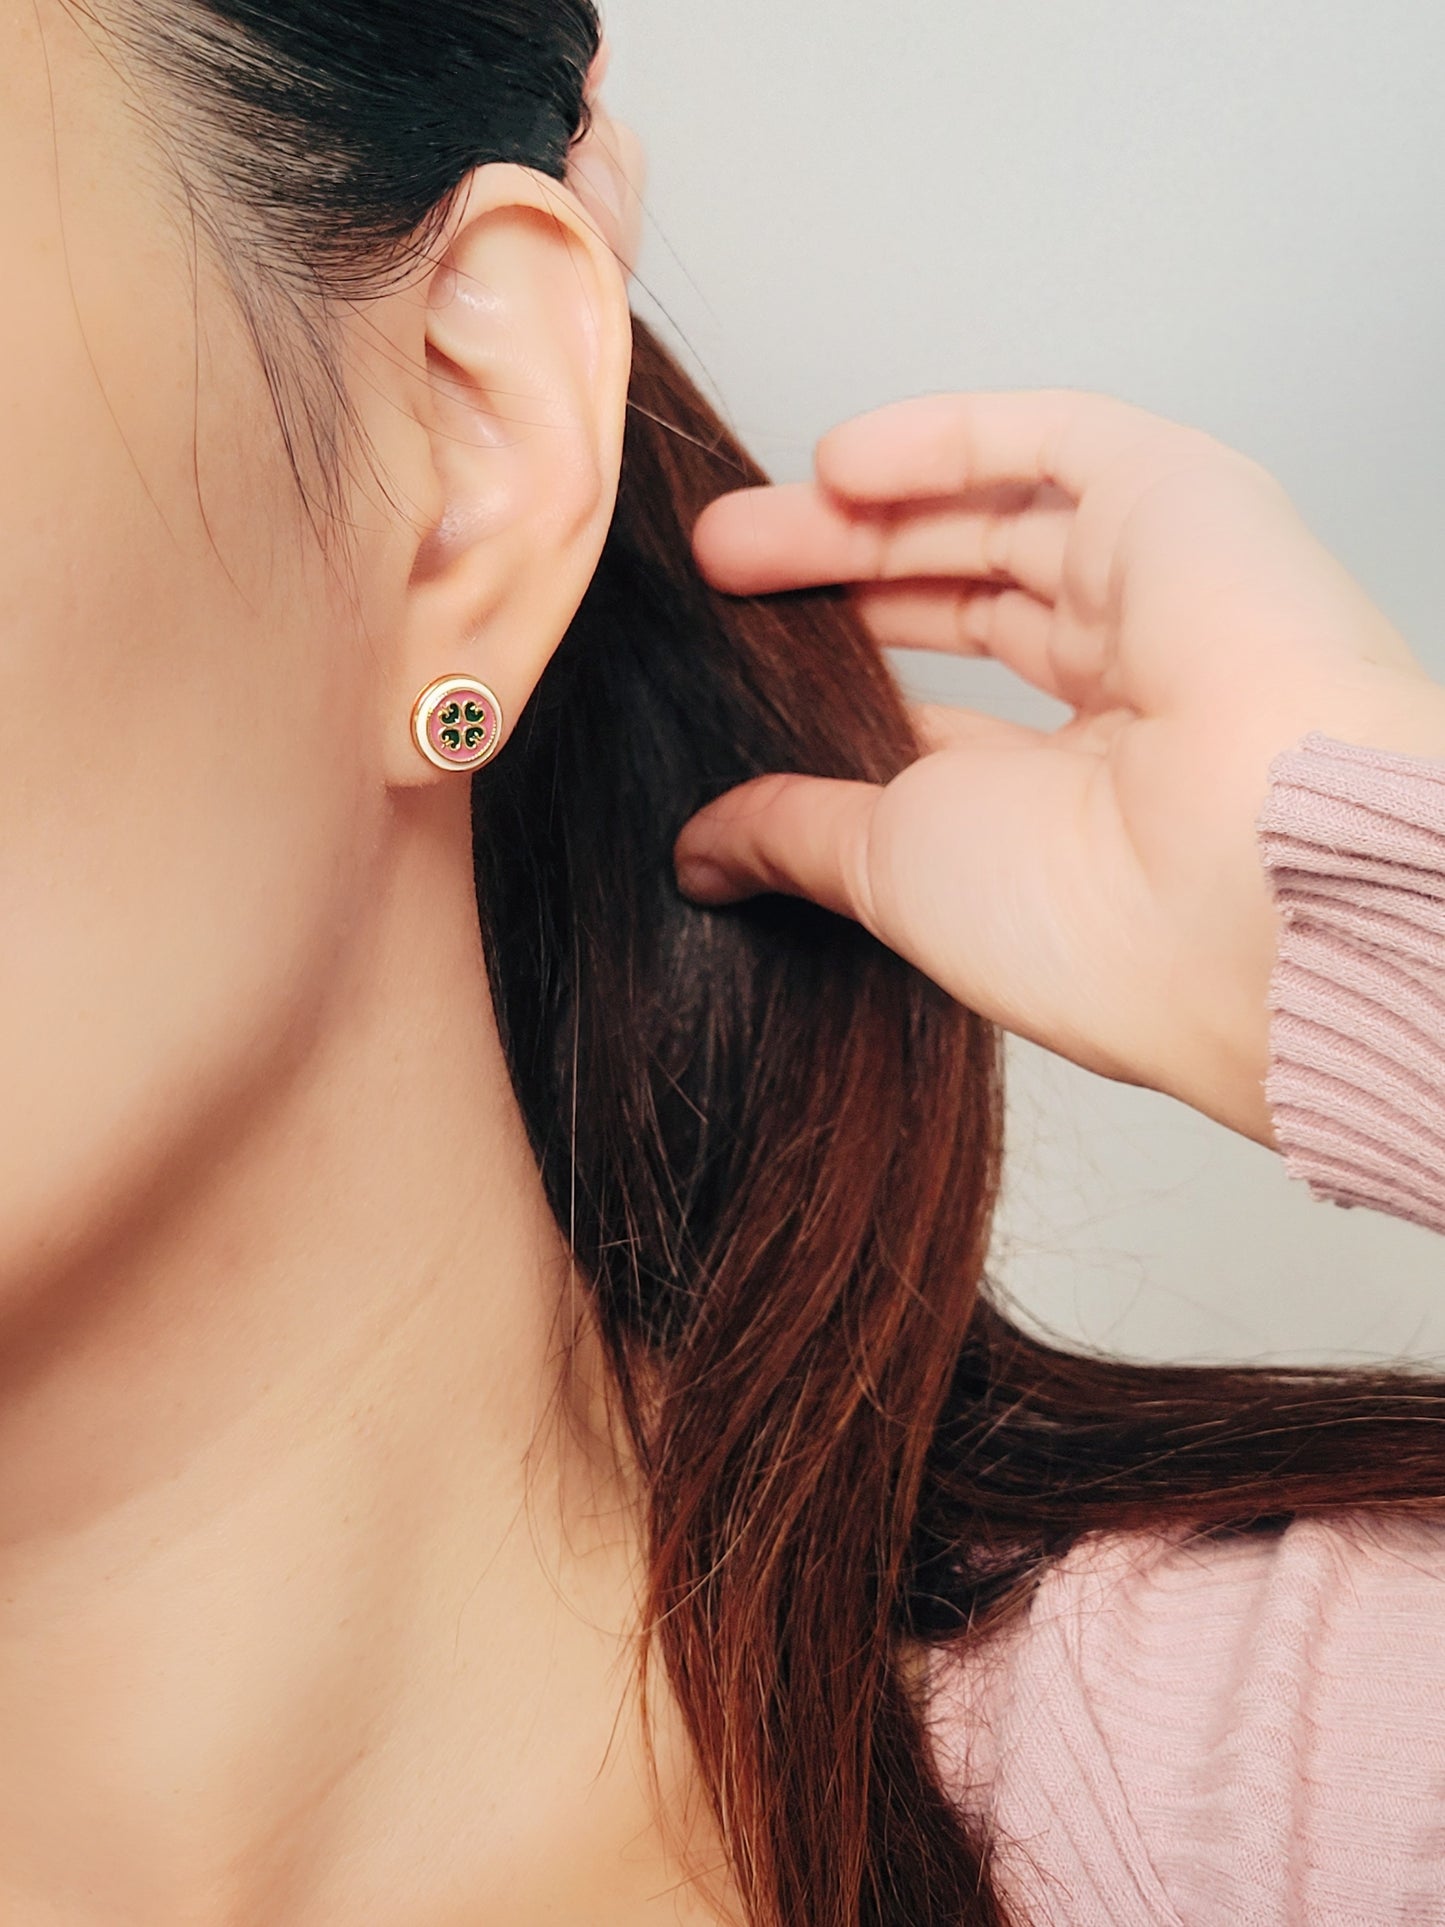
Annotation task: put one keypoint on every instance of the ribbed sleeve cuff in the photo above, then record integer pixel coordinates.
(1353, 844)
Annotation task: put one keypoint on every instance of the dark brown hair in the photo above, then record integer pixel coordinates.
(774, 1146)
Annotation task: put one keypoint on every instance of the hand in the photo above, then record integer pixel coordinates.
(1095, 888)
(607, 171)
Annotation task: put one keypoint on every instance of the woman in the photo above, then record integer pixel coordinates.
(443, 1265)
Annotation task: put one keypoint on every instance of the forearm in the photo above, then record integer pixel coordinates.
(1352, 838)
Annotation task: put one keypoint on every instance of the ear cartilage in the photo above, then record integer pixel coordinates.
(456, 723)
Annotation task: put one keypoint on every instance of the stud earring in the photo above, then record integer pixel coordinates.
(456, 723)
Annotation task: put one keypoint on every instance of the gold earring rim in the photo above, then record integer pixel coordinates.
(431, 699)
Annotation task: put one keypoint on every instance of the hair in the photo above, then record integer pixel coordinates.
(774, 1146)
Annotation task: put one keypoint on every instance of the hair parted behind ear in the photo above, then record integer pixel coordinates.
(775, 1147)
(777, 1150)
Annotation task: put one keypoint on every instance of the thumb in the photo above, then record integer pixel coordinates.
(805, 836)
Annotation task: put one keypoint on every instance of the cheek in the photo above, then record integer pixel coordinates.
(182, 761)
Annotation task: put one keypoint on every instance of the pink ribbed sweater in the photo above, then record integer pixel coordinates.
(1252, 1732)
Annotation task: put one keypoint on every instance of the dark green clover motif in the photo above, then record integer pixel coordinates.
(463, 723)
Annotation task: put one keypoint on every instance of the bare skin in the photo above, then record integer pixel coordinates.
(317, 1561)
(1096, 888)
(318, 1553)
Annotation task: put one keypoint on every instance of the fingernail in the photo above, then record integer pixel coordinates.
(698, 876)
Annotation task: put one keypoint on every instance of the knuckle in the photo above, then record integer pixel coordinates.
(998, 544)
(882, 546)
(763, 795)
(972, 614)
(1066, 418)
(859, 868)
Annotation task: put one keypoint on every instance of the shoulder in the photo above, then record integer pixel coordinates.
(1216, 1729)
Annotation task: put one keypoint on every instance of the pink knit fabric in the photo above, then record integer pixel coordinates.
(1353, 841)
(1251, 1733)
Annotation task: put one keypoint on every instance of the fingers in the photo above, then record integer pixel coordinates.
(756, 541)
(805, 836)
(960, 619)
(809, 836)
(945, 726)
(794, 535)
(1005, 625)
(944, 444)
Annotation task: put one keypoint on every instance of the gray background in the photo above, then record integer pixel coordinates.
(1230, 213)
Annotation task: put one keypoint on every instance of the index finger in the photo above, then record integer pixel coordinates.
(946, 444)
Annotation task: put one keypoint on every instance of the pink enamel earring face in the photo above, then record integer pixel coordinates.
(457, 723)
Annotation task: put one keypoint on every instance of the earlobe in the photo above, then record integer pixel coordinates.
(528, 346)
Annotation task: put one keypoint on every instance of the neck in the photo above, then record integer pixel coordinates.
(318, 1556)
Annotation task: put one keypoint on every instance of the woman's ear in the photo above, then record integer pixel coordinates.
(509, 445)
